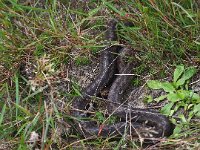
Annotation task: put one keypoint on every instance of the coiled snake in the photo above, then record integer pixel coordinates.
(139, 119)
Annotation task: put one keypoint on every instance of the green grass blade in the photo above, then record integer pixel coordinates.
(17, 97)
(184, 10)
(2, 113)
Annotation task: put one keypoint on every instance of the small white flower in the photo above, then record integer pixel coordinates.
(34, 137)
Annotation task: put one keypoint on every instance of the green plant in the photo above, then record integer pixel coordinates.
(178, 93)
(163, 32)
(179, 96)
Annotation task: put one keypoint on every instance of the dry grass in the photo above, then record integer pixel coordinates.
(41, 40)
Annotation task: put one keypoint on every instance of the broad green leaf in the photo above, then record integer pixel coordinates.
(189, 72)
(160, 98)
(154, 84)
(173, 97)
(183, 94)
(168, 87)
(178, 72)
(180, 82)
(166, 110)
(194, 96)
(196, 109)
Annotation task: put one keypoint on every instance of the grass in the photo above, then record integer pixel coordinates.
(47, 36)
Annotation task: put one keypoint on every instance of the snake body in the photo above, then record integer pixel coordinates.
(136, 117)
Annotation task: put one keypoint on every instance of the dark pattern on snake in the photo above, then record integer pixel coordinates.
(138, 118)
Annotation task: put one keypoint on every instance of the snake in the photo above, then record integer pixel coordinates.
(136, 121)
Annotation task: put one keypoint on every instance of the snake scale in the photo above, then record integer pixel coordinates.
(138, 119)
